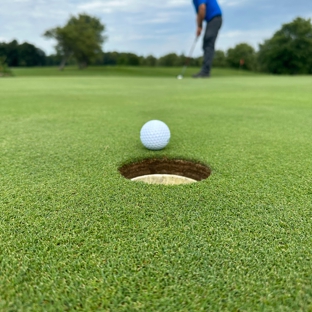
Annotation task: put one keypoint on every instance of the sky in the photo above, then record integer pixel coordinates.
(146, 27)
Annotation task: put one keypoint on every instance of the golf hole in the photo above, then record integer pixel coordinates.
(165, 171)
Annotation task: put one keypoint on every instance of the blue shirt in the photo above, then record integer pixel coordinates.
(212, 8)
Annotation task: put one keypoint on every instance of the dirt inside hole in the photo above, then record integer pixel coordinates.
(179, 167)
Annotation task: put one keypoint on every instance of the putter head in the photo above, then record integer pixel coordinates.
(180, 77)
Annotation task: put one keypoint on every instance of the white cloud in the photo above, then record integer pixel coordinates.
(253, 37)
(100, 6)
(18, 10)
(176, 3)
(161, 17)
(110, 6)
(139, 37)
(240, 3)
(156, 20)
(233, 3)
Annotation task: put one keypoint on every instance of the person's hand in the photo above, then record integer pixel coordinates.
(199, 30)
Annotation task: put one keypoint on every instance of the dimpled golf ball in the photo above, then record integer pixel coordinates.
(155, 135)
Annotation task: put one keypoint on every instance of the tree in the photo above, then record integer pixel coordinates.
(150, 60)
(128, 59)
(24, 54)
(81, 38)
(219, 59)
(171, 59)
(110, 58)
(197, 62)
(53, 60)
(10, 52)
(242, 56)
(29, 55)
(4, 70)
(289, 51)
(133, 59)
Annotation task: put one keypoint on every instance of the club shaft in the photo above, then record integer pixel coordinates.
(192, 48)
(189, 56)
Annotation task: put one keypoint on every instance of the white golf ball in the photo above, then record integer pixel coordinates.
(180, 77)
(155, 135)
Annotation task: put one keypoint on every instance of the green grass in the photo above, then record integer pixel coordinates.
(123, 71)
(75, 235)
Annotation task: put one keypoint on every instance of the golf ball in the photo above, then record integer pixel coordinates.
(155, 135)
(180, 77)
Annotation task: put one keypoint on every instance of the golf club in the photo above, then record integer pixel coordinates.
(188, 59)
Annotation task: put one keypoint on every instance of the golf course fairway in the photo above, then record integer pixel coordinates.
(75, 235)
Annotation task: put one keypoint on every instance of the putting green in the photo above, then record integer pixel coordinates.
(76, 235)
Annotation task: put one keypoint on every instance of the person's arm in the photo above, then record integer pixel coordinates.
(200, 18)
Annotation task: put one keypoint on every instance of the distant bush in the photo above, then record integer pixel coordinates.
(219, 59)
(128, 59)
(171, 59)
(150, 60)
(4, 69)
(242, 56)
(24, 54)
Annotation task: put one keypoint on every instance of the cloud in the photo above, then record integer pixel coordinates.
(177, 3)
(161, 17)
(99, 6)
(233, 3)
(253, 37)
(18, 10)
(110, 6)
(140, 37)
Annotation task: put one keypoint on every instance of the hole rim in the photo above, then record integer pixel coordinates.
(192, 169)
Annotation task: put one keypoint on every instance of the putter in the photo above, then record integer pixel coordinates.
(188, 59)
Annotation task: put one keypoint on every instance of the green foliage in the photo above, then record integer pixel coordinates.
(219, 59)
(10, 52)
(4, 69)
(81, 38)
(171, 59)
(129, 59)
(198, 61)
(56, 59)
(150, 61)
(122, 59)
(110, 58)
(29, 55)
(289, 51)
(25, 54)
(242, 56)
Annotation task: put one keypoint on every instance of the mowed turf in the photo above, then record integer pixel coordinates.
(123, 71)
(77, 236)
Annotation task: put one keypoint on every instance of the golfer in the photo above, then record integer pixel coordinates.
(209, 11)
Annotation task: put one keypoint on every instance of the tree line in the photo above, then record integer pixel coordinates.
(79, 42)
